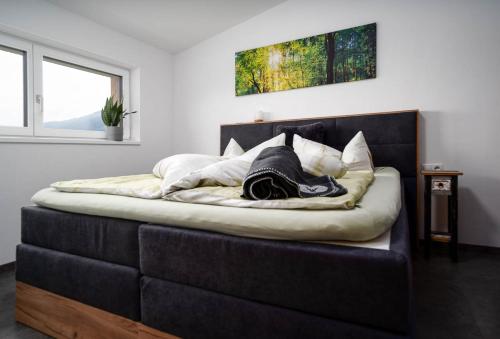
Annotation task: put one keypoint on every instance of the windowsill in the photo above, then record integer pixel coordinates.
(54, 140)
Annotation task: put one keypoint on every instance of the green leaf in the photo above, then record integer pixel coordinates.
(113, 113)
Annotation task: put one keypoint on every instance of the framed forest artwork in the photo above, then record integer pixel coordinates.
(330, 58)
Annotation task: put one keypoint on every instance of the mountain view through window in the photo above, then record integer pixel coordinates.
(73, 96)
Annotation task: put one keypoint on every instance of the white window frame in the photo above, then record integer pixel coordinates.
(39, 52)
(22, 45)
(35, 51)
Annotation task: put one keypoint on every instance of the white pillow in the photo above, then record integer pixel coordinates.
(176, 166)
(230, 172)
(251, 154)
(318, 159)
(357, 155)
(233, 149)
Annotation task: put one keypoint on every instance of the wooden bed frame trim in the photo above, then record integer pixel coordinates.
(61, 317)
(320, 117)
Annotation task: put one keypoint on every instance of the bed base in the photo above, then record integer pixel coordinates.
(61, 317)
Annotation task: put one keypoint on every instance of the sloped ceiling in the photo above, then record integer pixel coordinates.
(172, 25)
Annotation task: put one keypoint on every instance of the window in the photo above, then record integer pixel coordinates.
(73, 96)
(12, 86)
(15, 89)
(61, 97)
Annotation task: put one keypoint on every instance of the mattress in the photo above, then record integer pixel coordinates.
(373, 216)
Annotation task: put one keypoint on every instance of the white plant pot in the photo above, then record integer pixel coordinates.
(114, 133)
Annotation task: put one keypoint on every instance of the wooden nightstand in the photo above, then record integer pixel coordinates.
(441, 183)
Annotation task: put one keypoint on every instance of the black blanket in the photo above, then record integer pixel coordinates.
(276, 173)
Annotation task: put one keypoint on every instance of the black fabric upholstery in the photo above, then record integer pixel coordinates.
(401, 244)
(191, 312)
(402, 157)
(410, 190)
(400, 232)
(379, 129)
(314, 132)
(395, 133)
(111, 287)
(247, 136)
(329, 125)
(351, 284)
(392, 138)
(108, 239)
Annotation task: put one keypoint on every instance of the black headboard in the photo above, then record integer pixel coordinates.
(391, 136)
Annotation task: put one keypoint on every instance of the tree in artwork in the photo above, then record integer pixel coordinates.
(335, 57)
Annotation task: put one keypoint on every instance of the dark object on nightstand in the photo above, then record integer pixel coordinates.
(441, 183)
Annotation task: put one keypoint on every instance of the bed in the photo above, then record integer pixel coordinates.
(151, 279)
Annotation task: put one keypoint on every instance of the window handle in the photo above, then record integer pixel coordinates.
(39, 100)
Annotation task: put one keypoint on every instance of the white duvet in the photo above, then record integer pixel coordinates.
(215, 180)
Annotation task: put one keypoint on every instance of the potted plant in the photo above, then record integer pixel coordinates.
(112, 115)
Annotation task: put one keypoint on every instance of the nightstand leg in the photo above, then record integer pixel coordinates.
(427, 216)
(453, 218)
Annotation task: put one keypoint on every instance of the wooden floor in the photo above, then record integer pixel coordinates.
(453, 300)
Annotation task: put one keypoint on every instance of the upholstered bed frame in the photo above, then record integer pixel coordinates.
(91, 276)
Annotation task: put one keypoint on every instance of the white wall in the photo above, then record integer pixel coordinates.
(442, 57)
(25, 168)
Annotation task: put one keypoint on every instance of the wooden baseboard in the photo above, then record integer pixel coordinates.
(61, 317)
